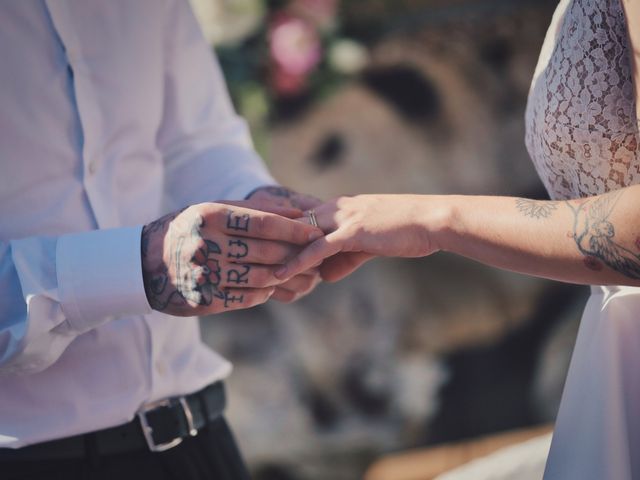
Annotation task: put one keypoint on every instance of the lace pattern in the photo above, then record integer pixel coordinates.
(582, 132)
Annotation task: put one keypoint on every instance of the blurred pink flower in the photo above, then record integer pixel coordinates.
(295, 50)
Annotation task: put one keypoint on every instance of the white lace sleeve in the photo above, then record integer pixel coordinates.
(582, 132)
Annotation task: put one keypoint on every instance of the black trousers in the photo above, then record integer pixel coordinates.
(211, 455)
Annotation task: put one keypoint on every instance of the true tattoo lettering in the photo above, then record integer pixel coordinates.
(237, 249)
(239, 274)
(238, 222)
(231, 299)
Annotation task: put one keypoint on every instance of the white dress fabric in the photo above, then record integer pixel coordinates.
(582, 135)
(522, 461)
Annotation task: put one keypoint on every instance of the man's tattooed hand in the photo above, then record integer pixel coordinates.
(212, 257)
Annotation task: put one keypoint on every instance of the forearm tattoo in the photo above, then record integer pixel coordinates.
(595, 236)
(196, 263)
(535, 208)
(592, 231)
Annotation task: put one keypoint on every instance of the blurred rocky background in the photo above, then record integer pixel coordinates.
(422, 96)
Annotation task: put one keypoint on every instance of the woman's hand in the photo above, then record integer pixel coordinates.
(369, 225)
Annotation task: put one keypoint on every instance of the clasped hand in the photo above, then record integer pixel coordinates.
(213, 257)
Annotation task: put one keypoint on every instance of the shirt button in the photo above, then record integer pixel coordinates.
(92, 167)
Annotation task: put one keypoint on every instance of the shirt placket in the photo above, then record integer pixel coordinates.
(89, 111)
(64, 16)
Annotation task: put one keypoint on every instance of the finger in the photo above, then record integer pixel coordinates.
(237, 299)
(236, 275)
(264, 206)
(296, 287)
(343, 264)
(301, 284)
(310, 256)
(245, 222)
(283, 295)
(324, 218)
(265, 252)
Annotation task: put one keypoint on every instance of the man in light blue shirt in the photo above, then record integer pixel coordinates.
(113, 114)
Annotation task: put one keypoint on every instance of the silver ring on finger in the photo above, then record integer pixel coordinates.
(313, 220)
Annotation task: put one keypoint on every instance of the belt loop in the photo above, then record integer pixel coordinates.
(205, 410)
(210, 397)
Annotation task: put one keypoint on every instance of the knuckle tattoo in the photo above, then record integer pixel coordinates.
(239, 274)
(238, 249)
(230, 299)
(238, 222)
(191, 276)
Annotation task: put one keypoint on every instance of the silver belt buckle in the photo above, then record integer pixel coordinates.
(147, 430)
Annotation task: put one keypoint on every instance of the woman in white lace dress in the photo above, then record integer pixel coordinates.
(582, 135)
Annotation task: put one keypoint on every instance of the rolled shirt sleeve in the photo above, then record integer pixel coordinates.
(56, 288)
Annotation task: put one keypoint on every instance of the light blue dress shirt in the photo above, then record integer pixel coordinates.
(112, 113)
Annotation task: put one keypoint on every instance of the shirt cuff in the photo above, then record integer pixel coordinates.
(100, 276)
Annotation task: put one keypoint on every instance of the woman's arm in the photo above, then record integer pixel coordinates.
(593, 240)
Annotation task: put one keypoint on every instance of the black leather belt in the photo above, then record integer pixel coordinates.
(157, 427)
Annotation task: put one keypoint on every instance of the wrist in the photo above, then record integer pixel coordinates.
(453, 224)
(148, 249)
(437, 219)
(152, 249)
